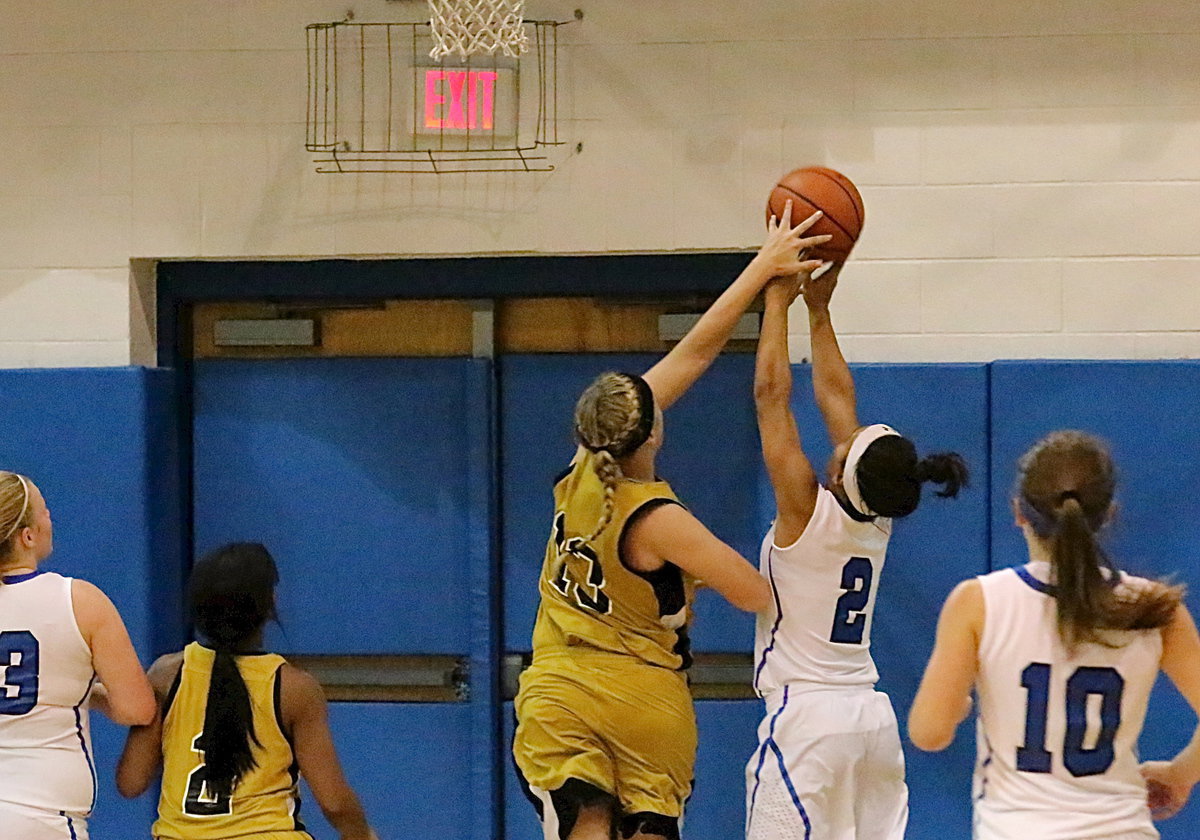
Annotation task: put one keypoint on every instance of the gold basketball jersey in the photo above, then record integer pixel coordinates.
(265, 801)
(589, 597)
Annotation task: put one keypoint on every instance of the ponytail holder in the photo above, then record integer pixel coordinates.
(862, 441)
(1068, 494)
(24, 508)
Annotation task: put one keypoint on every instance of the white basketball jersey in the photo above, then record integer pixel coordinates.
(46, 679)
(824, 584)
(1057, 735)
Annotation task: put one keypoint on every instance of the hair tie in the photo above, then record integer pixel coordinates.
(865, 438)
(1068, 494)
(24, 508)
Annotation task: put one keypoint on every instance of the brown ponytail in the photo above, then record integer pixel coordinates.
(1065, 492)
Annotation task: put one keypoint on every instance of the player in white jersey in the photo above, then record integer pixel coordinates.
(63, 647)
(829, 763)
(1062, 653)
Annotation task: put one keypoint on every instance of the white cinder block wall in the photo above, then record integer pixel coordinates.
(1031, 170)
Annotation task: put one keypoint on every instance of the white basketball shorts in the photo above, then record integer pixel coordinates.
(19, 821)
(829, 766)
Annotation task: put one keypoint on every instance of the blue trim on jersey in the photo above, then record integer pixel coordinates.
(11, 579)
(70, 825)
(770, 744)
(1027, 576)
(983, 766)
(778, 618)
(83, 741)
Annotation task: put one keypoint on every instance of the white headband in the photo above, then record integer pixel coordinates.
(850, 471)
(24, 509)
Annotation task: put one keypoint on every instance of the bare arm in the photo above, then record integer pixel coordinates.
(833, 386)
(1171, 782)
(671, 534)
(128, 698)
(307, 719)
(141, 760)
(792, 476)
(944, 698)
(671, 377)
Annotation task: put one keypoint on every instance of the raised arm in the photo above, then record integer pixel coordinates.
(792, 476)
(944, 698)
(1171, 782)
(306, 719)
(127, 697)
(833, 386)
(671, 377)
(671, 534)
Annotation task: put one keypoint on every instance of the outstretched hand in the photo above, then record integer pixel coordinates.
(818, 288)
(780, 254)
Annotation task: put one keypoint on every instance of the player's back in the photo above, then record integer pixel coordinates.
(590, 597)
(824, 584)
(265, 800)
(46, 678)
(1058, 731)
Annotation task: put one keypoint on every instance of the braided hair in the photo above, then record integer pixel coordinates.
(613, 417)
(1065, 490)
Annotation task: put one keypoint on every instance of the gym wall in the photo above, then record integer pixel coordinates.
(1028, 168)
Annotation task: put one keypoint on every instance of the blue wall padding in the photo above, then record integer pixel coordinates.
(410, 765)
(1146, 411)
(709, 456)
(99, 443)
(369, 465)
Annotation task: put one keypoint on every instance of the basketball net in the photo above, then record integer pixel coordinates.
(470, 27)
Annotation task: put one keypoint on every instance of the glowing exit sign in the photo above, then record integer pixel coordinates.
(465, 103)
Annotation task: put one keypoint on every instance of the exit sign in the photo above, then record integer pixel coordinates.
(464, 101)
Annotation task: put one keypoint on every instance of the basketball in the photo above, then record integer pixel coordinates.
(815, 188)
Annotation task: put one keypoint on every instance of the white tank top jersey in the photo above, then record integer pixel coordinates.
(1057, 735)
(818, 630)
(46, 679)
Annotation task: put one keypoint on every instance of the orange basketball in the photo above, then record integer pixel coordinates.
(815, 188)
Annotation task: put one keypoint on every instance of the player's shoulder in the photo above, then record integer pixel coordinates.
(163, 671)
(298, 685)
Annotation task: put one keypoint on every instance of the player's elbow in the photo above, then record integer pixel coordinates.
(129, 786)
(770, 390)
(342, 809)
(754, 596)
(929, 735)
(133, 711)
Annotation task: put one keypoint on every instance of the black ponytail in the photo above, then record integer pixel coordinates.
(232, 596)
(890, 475)
(945, 468)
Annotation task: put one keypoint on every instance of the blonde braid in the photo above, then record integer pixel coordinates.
(607, 416)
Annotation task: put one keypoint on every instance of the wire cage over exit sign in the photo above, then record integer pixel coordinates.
(377, 102)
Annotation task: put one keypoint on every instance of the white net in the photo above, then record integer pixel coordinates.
(470, 27)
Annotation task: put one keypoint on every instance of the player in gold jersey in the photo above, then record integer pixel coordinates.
(238, 725)
(606, 735)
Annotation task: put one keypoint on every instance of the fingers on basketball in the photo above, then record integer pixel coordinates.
(818, 188)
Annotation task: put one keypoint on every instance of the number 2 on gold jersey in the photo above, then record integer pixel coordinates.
(590, 594)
